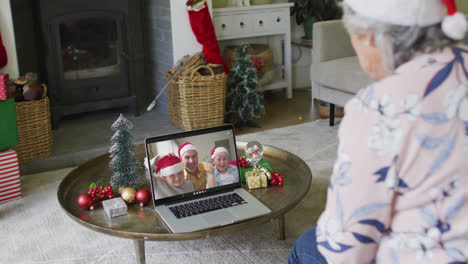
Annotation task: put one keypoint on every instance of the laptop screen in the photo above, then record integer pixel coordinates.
(192, 163)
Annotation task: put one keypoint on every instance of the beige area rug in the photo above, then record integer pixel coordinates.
(34, 229)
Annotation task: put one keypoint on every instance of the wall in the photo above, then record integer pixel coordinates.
(8, 38)
(183, 40)
(159, 46)
(462, 6)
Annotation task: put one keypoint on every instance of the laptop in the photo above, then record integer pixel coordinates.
(202, 207)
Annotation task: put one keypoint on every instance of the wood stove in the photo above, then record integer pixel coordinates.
(93, 56)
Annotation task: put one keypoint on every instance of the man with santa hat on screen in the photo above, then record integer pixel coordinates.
(195, 171)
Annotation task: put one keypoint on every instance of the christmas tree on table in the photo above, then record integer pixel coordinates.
(123, 163)
(242, 95)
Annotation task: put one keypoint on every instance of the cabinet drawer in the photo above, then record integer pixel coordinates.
(279, 21)
(262, 22)
(232, 25)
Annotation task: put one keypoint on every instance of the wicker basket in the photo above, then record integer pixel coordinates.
(34, 129)
(197, 101)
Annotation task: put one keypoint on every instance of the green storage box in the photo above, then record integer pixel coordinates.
(262, 163)
(8, 132)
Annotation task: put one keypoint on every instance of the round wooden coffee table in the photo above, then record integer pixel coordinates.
(142, 224)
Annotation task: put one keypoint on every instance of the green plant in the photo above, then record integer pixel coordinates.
(318, 9)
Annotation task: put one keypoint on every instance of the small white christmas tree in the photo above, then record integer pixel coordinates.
(123, 163)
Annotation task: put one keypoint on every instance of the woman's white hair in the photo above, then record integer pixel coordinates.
(398, 43)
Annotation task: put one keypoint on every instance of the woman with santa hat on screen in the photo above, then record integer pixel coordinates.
(399, 188)
(224, 173)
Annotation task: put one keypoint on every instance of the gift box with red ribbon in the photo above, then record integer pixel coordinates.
(10, 185)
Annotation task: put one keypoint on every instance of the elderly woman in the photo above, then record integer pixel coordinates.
(399, 189)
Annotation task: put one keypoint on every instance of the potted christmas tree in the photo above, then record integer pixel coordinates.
(244, 101)
(124, 166)
(311, 11)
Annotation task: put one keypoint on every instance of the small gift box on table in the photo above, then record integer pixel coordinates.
(10, 185)
(114, 207)
(256, 179)
(263, 163)
(4, 80)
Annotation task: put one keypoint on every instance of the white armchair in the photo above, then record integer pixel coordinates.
(335, 73)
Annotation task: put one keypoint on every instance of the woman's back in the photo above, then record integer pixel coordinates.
(403, 159)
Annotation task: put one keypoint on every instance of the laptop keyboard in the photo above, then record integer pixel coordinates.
(207, 205)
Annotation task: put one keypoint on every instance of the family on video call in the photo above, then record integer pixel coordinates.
(182, 171)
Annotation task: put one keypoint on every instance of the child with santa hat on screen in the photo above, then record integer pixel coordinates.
(169, 177)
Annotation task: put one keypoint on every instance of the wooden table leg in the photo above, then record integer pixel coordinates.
(281, 228)
(139, 250)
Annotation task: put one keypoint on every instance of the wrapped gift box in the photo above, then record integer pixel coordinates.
(243, 171)
(256, 180)
(114, 207)
(4, 80)
(8, 129)
(10, 185)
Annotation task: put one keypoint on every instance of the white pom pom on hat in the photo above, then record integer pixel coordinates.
(454, 25)
(415, 13)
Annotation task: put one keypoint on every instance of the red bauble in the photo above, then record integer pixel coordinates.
(85, 201)
(143, 196)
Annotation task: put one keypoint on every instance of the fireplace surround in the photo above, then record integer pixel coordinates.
(90, 54)
(93, 55)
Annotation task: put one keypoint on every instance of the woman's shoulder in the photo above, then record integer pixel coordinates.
(413, 81)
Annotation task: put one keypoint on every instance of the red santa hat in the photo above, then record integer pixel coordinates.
(218, 150)
(186, 147)
(169, 164)
(415, 13)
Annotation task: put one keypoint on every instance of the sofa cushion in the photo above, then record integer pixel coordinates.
(343, 74)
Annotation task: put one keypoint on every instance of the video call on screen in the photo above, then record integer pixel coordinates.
(224, 166)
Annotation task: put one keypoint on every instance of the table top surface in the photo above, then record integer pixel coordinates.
(145, 223)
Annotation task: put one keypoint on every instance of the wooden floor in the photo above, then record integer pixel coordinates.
(281, 112)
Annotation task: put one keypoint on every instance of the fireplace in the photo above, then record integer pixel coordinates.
(135, 44)
(92, 54)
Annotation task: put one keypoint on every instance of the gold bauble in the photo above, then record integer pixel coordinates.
(128, 195)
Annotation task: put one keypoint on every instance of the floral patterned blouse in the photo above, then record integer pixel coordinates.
(399, 189)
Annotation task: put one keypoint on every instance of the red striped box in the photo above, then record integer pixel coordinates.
(4, 86)
(10, 185)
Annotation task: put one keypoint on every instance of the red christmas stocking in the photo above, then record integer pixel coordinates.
(3, 54)
(203, 29)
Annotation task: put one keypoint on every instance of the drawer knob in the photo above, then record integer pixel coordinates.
(223, 27)
(260, 22)
(278, 19)
(242, 25)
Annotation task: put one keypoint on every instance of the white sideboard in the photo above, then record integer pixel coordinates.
(260, 21)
